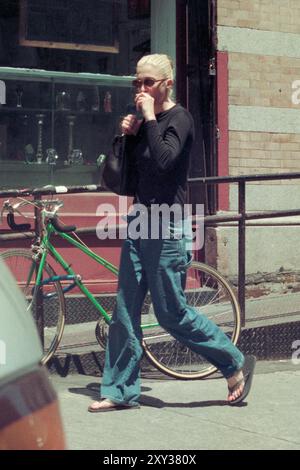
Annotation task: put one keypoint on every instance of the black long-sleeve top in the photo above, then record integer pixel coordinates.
(160, 155)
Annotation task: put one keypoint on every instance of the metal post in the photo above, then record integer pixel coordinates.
(242, 249)
(39, 304)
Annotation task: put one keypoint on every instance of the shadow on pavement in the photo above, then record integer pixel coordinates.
(157, 403)
(92, 390)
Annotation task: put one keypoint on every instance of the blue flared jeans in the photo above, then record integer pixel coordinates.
(156, 264)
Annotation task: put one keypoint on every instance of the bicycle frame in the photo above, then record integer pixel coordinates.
(47, 247)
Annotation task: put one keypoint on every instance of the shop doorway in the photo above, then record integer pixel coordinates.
(196, 88)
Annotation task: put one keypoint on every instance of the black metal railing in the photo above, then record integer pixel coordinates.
(241, 217)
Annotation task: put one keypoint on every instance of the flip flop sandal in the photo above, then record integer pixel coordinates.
(113, 407)
(248, 372)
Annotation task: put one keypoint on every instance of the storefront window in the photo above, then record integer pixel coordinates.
(95, 36)
(65, 69)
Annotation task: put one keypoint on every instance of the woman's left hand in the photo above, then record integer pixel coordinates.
(145, 103)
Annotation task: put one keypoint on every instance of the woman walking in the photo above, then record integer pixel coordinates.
(159, 147)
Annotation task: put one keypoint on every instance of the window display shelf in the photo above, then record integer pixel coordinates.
(20, 175)
(12, 73)
(12, 109)
(9, 109)
(54, 125)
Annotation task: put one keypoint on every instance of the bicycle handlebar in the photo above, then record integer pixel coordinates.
(66, 189)
(46, 190)
(14, 226)
(61, 228)
(27, 227)
(44, 208)
(43, 191)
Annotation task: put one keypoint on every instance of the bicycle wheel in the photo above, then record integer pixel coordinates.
(208, 293)
(50, 316)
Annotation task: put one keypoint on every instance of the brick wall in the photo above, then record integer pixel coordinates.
(262, 81)
(261, 152)
(267, 15)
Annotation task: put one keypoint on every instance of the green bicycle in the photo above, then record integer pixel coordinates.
(45, 290)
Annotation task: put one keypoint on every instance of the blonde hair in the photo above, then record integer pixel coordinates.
(162, 62)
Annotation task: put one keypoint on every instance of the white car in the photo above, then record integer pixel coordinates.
(29, 412)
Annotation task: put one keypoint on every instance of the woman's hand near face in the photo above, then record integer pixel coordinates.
(130, 124)
(145, 103)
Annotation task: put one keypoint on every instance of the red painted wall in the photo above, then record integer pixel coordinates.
(81, 210)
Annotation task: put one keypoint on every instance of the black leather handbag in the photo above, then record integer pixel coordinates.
(119, 175)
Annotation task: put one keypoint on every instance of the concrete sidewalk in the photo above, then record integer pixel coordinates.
(187, 415)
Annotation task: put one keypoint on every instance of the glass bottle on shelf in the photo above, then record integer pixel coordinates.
(29, 153)
(107, 103)
(19, 92)
(81, 103)
(63, 101)
(2, 92)
(96, 101)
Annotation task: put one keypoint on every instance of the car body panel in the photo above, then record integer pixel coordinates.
(20, 345)
(29, 411)
(30, 417)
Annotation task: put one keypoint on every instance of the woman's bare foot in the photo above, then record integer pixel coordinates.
(236, 385)
(108, 405)
(101, 405)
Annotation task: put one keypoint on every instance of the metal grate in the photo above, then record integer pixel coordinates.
(266, 343)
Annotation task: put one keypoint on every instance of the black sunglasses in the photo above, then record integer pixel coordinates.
(148, 82)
